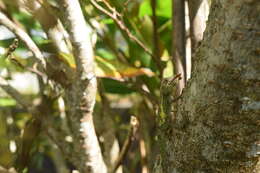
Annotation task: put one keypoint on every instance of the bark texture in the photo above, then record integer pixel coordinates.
(216, 125)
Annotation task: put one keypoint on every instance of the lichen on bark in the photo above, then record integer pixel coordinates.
(214, 127)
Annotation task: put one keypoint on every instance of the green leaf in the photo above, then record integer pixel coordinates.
(163, 8)
(118, 70)
(107, 21)
(105, 54)
(146, 30)
(7, 102)
(68, 59)
(115, 87)
(145, 9)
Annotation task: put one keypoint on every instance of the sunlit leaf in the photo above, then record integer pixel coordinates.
(146, 30)
(104, 68)
(168, 70)
(107, 21)
(145, 8)
(117, 70)
(105, 54)
(163, 8)
(7, 102)
(21, 119)
(68, 59)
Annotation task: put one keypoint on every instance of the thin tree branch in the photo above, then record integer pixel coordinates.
(114, 15)
(14, 93)
(178, 46)
(17, 30)
(30, 69)
(80, 96)
(131, 135)
(156, 49)
(48, 18)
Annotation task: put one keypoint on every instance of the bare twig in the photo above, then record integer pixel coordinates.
(143, 153)
(8, 54)
(134, 127)
(137, 86)
(114, 15)
(112, 9)
(30, 69)
(14, 93)
(156, 49)
(17, 30)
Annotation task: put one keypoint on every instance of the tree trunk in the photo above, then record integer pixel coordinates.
(216, 124)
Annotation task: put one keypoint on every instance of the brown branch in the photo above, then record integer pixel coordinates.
(112, 9)
(156, 49)
(30, 69)
(178, 46)
(11, 49)
(114, 16)
(17, 30)
(131, 135)
(143, 153)
(14, 93)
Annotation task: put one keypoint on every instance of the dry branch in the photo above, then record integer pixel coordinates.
(134, 126)
(114, 15)
(14, 93)
(17, 30)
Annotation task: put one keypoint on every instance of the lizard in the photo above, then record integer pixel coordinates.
(167, 91)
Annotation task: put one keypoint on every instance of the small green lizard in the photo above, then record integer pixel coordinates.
(167, 92)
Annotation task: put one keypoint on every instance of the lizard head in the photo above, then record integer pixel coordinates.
(171, 80)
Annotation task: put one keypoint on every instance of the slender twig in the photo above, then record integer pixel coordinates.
(137, 86)
(17, 30)
(143, 153)
(30, 69)
(134, 126)
(156, 50)
(4, 84)
(114, 15)
(9, 55)
(14, 93)
(112, 9)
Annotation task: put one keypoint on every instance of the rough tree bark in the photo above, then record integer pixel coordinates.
(216, 126)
